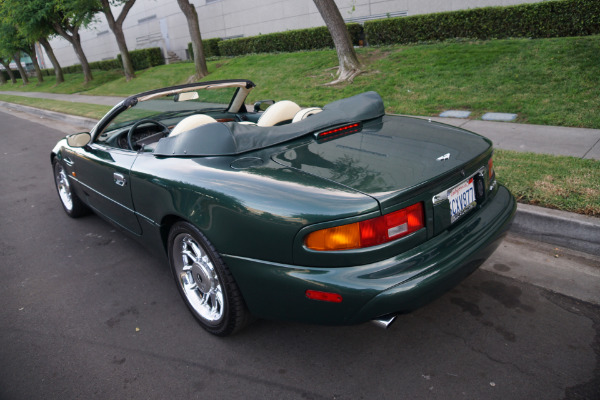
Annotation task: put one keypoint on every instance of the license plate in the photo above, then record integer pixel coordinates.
(462, 199)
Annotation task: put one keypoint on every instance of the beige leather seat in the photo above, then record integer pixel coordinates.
(305, 113)
(281, 111)
(191, 122)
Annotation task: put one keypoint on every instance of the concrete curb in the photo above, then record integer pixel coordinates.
(560, 228)
(86, 123)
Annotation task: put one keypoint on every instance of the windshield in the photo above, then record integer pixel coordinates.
(172, 108)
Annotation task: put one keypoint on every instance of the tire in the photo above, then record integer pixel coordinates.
(71, 203)
(204, 281)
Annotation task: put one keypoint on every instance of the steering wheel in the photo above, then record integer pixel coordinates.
(164, 130)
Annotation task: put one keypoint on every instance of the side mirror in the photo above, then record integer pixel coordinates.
(79, 139)
(262, 105)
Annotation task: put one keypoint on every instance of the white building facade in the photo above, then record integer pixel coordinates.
(160, 23)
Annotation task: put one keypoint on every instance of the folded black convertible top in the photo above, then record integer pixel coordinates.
(232, 138)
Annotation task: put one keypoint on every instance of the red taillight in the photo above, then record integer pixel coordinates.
(368, 233)
(323, 296)
(338, 132)
(491, 168)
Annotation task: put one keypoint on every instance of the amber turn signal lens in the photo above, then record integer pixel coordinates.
(338, 238)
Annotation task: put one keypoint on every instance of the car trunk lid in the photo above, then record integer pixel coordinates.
(389, 157)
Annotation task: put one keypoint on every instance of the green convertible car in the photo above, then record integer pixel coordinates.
(333, 215)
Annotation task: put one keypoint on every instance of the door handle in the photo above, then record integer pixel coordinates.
(68, 161)
(119, 179)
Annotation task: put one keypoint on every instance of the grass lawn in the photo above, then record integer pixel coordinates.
(548, 81)
(94, 111)
(151, 78)
(73, 83)
(564, 183)
(545, 81)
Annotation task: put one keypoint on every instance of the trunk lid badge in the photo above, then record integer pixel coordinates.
(444, 157)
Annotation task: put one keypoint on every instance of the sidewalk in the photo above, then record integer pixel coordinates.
(560, 228)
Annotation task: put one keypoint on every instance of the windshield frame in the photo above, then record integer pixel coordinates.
(244, 87)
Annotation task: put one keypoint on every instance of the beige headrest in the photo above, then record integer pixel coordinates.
(306, 112)
(284, 110)
(191, 122)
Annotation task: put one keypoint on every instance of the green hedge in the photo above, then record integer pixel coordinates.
(15, 72)
(141, 59)
(72, 69)
(211, 48)
(537, 20)
(48, 72)
(144, 58)
(106, 65)
(289, 41)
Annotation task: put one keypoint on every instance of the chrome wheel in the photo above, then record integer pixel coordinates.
(64, 187)
(198, 279)
(204, 281)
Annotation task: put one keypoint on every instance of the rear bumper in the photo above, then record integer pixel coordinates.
(396, 285)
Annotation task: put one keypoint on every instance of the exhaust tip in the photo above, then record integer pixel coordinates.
(384, 322)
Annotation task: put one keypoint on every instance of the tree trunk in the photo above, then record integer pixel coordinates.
(349, 64)
(116, 26)
(36, 65)
(17, 57)
(85, 66)
(75, 40)
(58, 72)
(2, 79)
(8, 70)
(189, 10)
(125, 57)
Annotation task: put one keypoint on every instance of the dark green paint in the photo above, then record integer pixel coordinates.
(394, 285)
(257, 208)
(389, 157)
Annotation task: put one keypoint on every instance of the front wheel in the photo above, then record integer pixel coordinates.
(72, 205)
(205, 282)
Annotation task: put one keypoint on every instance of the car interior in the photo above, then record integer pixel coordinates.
(217, 120)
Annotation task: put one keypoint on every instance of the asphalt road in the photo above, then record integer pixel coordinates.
(87, 313)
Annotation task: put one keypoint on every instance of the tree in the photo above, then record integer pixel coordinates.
(6, 66)
(23, 36)
(34, 61)
(33, 19)
(67, 17)
(17, 58)
(116, 25)
(349, 66)
(58, 72)
(12, 43)
(189, 10)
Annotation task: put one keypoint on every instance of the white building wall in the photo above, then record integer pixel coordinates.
(160, 23)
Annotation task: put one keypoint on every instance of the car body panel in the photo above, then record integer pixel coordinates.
(103, 174)
(257, 201)
(388, 157)
(395, 285)
(265, 205)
